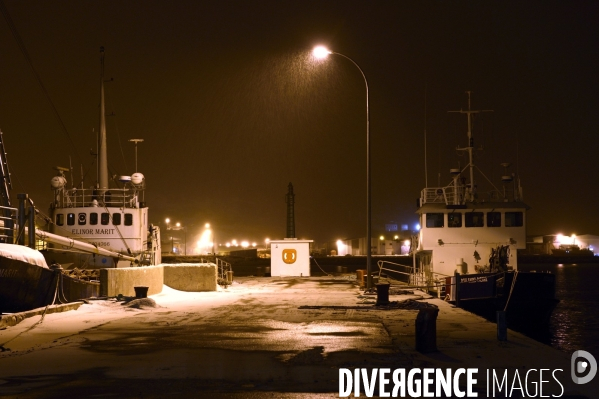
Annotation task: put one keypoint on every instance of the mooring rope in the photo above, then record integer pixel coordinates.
(511, 290)
(327, 274)
(2, 345)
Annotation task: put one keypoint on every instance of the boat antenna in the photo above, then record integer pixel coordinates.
(425, 161)
(102, 152)
(135, 141)
(72, 173)
(469, 112)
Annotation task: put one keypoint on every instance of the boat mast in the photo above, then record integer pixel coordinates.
(102, 153)
(470, 146)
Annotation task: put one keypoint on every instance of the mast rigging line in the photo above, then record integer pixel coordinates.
(23, 49)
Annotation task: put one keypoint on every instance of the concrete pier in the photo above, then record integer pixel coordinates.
(260, 337)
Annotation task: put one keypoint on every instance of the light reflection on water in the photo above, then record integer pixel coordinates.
(575, 320)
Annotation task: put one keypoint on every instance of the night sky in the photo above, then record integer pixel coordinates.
(232, 107)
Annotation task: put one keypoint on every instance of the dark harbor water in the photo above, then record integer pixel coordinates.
(575, 320)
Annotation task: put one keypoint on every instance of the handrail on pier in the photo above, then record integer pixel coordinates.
(223, 268)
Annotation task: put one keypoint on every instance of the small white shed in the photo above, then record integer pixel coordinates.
(290, 257)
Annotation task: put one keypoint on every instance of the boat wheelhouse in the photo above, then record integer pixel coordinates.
(460, 235)
(115, 220)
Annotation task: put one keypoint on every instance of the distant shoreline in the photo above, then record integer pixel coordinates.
(557, 259)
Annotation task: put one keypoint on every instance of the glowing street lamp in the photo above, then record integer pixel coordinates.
(321, 53)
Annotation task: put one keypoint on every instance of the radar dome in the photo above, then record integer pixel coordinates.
(137, 178)
(58, 182)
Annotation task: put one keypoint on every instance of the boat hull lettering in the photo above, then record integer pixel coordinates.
(94, 231)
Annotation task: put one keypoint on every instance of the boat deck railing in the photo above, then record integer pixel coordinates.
(450, 196)
(381, 264)
(127, 197)
(415, 277)
(438, 195)
(8, 224)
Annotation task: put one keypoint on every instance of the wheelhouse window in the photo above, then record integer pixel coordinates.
(105, 218)
(81, 219)
(434, 220)
(93, 218)
(128, 219)
(454, 219)
(494, 219)
(514, 219)
(70, 219)
(116, 219)
(60, 219)
(475, 219)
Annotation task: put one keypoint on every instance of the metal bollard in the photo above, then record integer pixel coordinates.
(501, 326)
(426, 330)
(382, 294)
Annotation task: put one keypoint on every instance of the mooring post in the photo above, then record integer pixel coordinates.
(31, 230)
(501, 326)
(457, 288)
(382, 294)
(426, 329)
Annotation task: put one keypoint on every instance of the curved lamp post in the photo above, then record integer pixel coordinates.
(323, 52)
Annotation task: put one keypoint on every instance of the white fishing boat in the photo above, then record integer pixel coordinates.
(88, 229)
(112, 215)
(469, 238)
